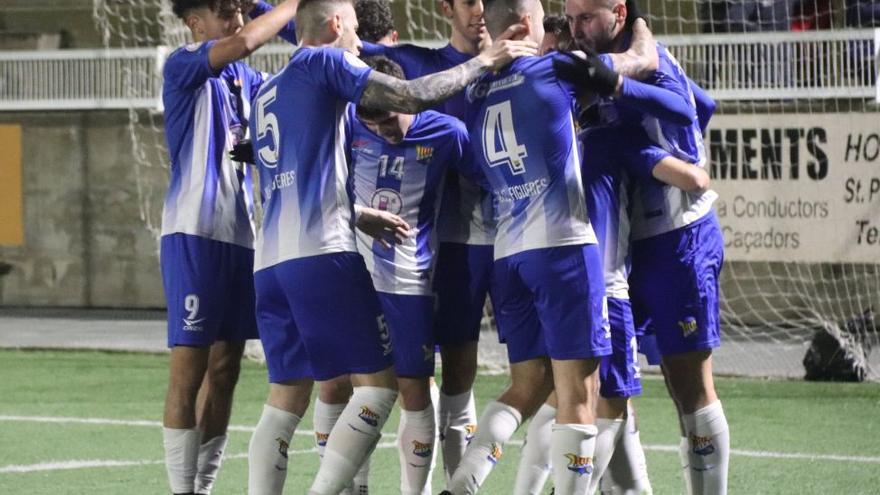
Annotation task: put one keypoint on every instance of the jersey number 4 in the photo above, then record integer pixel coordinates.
(500, 146)
(267, 123)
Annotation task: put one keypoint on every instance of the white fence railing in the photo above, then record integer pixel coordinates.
(742, 66)
(781, 65)
(81, 79)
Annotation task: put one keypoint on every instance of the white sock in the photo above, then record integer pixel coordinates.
(181, 457)
(360, 485)
(497, 424)
(627, 473)
(325, 418)
(353, 438)
(210, 457)
(415, 439)
(267, 452)
(683, 448)
(534, 462)
(435, 402)
(571, 451)
(709, 451)
(458, 424)
(609, 433)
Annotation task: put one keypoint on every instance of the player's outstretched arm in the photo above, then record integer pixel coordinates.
(254, 35)
(384, 92)
(642, 59)
(681, 174)
(705, 104)
(589, 74)
(385, 227)
(256, 8)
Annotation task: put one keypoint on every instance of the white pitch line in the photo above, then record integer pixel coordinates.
(95, 463)
(116, 422)
(391, 436)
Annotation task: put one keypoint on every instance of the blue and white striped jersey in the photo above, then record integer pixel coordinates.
(206, 112)
(612, 157)
(300, 132)
(523, 134)
(407, 180)
(466, 209)
(658, 208)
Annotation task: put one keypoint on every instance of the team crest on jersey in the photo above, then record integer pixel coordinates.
(369, 417)
(321, 438)
(494, 453)
(688, 326)
(387, 200)
(282, 447)
(702, 445)
(422, 449)
(469, 431)
(580, 465)
(424, 154)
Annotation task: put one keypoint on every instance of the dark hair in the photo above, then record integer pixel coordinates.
(375, 19)
(555, 24)
(182, 7)
(386, 66)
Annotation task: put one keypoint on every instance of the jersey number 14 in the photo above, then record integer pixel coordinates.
(500, 146)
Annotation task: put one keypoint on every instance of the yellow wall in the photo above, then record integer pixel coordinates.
(11, 221)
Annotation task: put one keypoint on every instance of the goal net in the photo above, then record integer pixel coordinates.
(794, 151)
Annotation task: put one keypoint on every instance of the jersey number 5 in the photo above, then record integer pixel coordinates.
(499, 139)
(267, 123)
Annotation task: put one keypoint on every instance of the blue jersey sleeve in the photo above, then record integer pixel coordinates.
(656, 101)
(341, 72)
(188, 67)
(287, 33)
(705, 104)
(374, 50)
(640, 157)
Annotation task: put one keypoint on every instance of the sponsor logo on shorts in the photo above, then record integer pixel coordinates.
(469, 431)
(384, 335)
(494, 453)
(321, 438)
(192, 325)
(688, 326)
(369, 417)
(424, 154)
(422, 449)
(429, 352)
(580, 465)
(702, 445)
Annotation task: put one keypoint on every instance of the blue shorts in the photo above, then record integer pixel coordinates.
(461, 283)
(410, 319)
(674, 286)
(620, 375)
(209, 290)
(319, 318)
(551, 302)
(648, 347)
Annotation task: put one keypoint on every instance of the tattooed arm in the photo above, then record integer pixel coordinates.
(641, 60)
(384, 92)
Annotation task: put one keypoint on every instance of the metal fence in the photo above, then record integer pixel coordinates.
(742, 66)
(81, 79)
